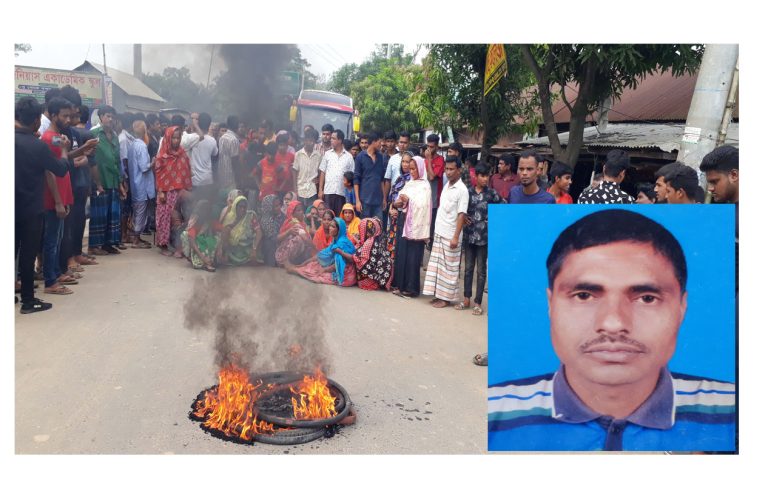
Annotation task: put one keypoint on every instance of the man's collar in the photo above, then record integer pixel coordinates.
(657, 412)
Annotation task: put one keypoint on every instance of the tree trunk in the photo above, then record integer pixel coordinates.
(579, 114)
(485, 149)
(545, 97)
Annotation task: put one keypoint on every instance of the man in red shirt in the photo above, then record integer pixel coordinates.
(274, 170)
(435, 171)
(57, 200)
(505, 179)
(284, 162)
(561, 182)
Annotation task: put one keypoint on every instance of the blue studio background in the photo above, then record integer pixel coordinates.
(520, 238)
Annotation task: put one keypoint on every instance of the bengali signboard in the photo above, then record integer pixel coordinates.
(36, 82)
(495, 66)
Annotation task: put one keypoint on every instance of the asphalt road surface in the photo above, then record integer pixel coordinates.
(113, 369)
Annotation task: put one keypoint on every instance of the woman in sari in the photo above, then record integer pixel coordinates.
(295, 243)
(414, 204)
(287, 199)
(200, 240)
(231, 196)
(313, 220)
(403, 178)
(322, 238)
(172, 174)
(371, 259)
(270, 219)
(241, 236)
(352, 222)
(332, 265)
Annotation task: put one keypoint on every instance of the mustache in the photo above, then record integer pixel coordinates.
(613, 339)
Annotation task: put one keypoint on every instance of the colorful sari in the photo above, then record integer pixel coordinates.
(343, 273)
(242, 233)
(204, 234)
(353, 227)
(372, 260)
(296, 248)
(393, 193)
(172, 174)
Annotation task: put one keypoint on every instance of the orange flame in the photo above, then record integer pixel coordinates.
(229, 407)
(314, 398)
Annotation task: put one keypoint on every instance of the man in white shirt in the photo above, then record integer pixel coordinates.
(442, 278)
(335, 163)
(201, 149)
(306, 163)
(229, 153)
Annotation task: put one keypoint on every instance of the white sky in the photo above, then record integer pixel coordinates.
(324, 59)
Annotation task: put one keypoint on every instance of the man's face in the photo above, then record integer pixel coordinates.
(107, 121)
(482, 180)
(643, 199)
(564, 182)
(376, 145)
(452, 152)
(676, 196)
(503, 167)
(403, 143)
(74, 117)
(326, 135)
(282, 148)
(432, 147)
(309, 144)
(452, 171)
(723, 186)
(354, 150)
(661, 189)
(61, 119)
(615, 310)
(336, 142)
(528, 170)
(156, 128)
(242, 129)
(389, 144)
(363, 143)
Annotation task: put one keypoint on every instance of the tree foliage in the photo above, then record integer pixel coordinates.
(19, 48)
(380, 88)
(600, 71)
(449, 92)
(178, 88)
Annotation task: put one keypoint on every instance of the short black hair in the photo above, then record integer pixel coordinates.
(126, 119)
(27, 111)
(348, 144)
(390, 135)
(312, 134)
(205, 121)
(178, 121)
(723, 159)
(373, 137)
(647, 189)
(349, 176)
(404, 134)
(232, 122)
(433, 138)
(508, 158)
(560, 169)
(139, 116)
(481, 168)
(531, 153)
(271, 149)
(452, 158)
(456, 146)
(282, 139)
(616, 225)
(327, 127)
(85, 114)
(664, 170)
(72, 95)
(362, 136)
(339, 134)
(152, 118)
(50, 94)
(58, 104)
(616, 161)
(104, 109)
(682, 177)
(164, 119)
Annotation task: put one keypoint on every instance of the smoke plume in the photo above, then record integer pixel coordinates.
(269, 323)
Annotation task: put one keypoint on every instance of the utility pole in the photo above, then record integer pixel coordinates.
(709, 104)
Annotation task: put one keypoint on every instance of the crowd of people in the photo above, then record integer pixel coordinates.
(321, 206)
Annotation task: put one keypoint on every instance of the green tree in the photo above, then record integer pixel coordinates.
(382, 98)
(19, 48)
(178, 88)
(449, 92)
(600, 71)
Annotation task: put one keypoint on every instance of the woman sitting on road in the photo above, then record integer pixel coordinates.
(295, 242)
(200, 240)
(312, 219)
(372, 260)
(322, 238)
(332, 265)
(241, 236)
(270, 220)
(352, 222)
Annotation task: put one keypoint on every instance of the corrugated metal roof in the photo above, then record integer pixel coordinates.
(127, 82)
(665, 137)
(659, 97)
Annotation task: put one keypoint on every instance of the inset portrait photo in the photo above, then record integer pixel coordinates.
(612, 329)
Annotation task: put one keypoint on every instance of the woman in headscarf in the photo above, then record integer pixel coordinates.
(320, 205)
(403, 178)
(332, 265)
(241, 236)
(414, 204)
(172, 174)
(200, 240)
(372, 260)
(231, 196)
(322, 238)
(271, 219)
(295, 243)
(313, 220)
(287, 199)
(352, 222)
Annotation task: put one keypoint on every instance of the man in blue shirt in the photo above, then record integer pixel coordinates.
(617, 296)
(528, 191)
(369, 179)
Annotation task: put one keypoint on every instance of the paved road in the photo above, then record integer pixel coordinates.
(113, 369)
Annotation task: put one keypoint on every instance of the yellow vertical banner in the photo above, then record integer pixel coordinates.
(495, 66)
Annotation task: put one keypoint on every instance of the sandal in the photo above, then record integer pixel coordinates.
(58, 289)
(141, 245)
(99, 252)
(76, 269)
(67, 280)
(209, 268)
(440, 304)
(73, 275)
(481, 359)
(477, 310)
(121, 246)
(461, 306)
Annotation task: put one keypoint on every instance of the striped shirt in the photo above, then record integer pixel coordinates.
(683, 413)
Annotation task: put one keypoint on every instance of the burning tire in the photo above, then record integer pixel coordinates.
(342, 409)
(291, 436)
